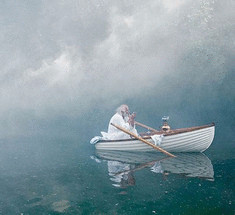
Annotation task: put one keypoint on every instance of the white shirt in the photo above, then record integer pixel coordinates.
(117, 119)
(114, 133)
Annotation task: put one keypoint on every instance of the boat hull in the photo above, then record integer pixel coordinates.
(188, 140)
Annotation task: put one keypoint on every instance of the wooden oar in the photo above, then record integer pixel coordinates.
(139, 167)
(145, 126)
(143, 140)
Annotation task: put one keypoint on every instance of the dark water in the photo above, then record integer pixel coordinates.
(48, 175)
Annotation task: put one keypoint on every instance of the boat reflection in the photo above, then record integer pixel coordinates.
(122, 165)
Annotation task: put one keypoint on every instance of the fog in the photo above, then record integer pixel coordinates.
(67, 65)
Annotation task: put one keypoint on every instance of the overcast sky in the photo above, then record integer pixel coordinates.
(62, 57)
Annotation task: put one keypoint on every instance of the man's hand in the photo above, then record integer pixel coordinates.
(131, 120)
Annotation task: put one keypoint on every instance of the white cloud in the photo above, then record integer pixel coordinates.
(172, 5)
(85, 55)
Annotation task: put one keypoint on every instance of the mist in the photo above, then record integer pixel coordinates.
(67, 65)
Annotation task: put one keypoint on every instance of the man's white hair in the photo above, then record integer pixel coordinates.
(122, 109)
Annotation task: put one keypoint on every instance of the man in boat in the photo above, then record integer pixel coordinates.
(123, 118)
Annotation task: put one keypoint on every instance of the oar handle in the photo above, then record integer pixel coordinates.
(143, 140)
(145, 126)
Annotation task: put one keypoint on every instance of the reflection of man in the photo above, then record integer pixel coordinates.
(120, 174)
(123, 119)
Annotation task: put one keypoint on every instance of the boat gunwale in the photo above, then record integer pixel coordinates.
(171, 132)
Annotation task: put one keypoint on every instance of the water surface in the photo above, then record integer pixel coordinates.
(65, 176)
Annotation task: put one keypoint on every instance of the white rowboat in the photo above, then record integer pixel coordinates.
(194, 139)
